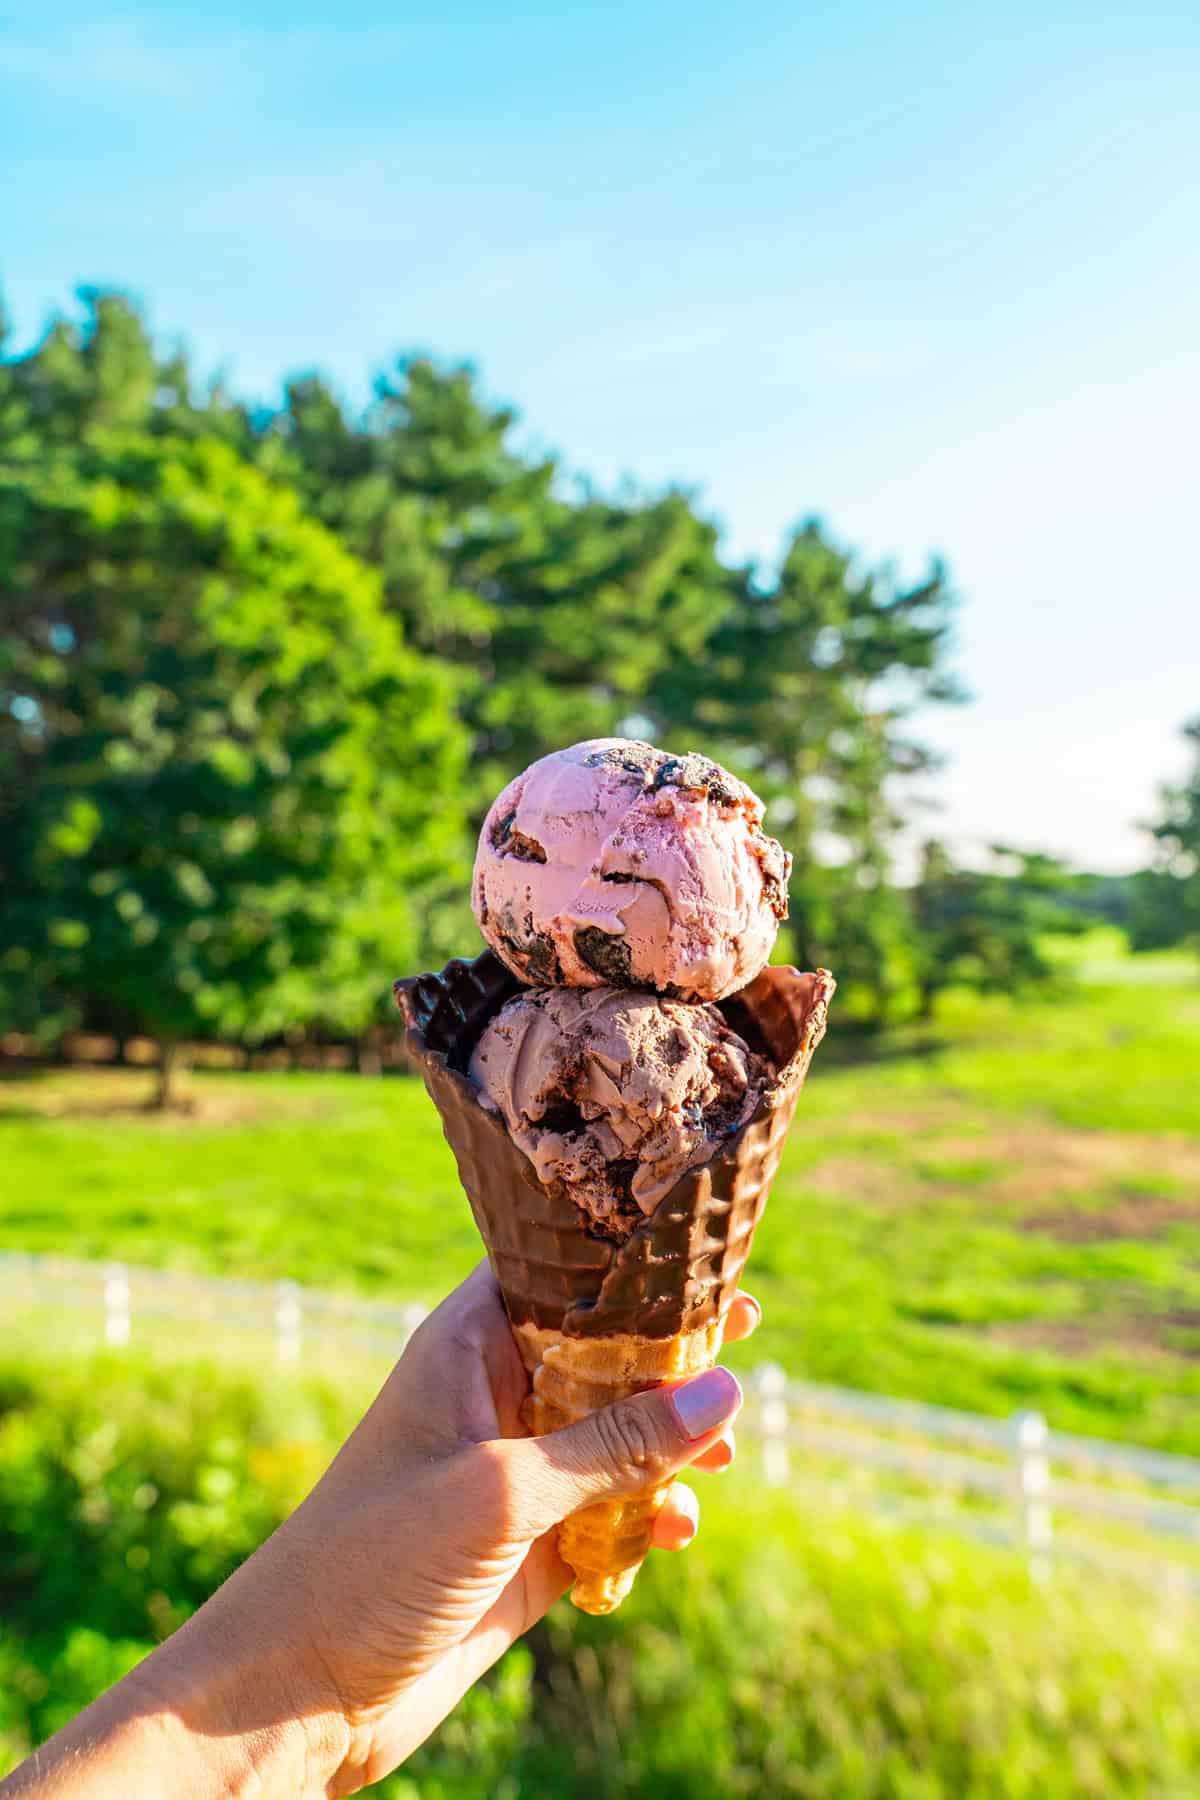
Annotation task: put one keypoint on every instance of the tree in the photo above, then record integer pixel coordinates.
(558, 614)
(570, 617)
(1167, 899)
(985, 929)
(805, 686)
(227, 788)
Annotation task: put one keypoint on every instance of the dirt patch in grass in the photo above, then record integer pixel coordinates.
(1134, 1216)
(128, 1094)
(1147, 1334)
(1079, 1186)
(864, 1180)
(1044, 1160)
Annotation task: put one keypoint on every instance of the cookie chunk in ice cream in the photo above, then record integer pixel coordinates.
(615, 864)
(613, 1094)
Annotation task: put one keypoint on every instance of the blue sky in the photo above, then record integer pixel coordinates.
(932, 275)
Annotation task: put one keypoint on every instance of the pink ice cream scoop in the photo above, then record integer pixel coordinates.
(616, 1095)
(612, 863)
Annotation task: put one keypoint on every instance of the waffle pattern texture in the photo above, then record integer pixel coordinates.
(596, 1321)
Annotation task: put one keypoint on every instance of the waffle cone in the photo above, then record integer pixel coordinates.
(596, 1320)
(606, 1544)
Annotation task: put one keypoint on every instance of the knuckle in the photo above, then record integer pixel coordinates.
(629, 1441)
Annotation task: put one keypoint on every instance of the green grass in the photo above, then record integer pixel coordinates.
(1003, 1211)
(796, 1649)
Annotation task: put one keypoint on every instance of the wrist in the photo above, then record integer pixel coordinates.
(231, 1698)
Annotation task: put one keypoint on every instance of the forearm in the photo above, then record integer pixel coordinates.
(130, 1743)
(206, 1717)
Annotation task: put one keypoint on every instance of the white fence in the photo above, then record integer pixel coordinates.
(1052, 1495)
(121, 1303)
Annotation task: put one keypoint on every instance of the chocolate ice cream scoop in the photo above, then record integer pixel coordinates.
(615, 1094)
(613, 864)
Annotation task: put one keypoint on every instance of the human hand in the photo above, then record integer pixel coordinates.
(425, 1550)
(430, 1542)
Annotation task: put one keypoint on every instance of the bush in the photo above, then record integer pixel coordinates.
(785, 1655)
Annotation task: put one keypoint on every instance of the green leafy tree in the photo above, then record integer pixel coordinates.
(986, 929)
(569, 617)
(557, 613)
(102, 371)
(1167, 898)
(805, 686)
(226, 786)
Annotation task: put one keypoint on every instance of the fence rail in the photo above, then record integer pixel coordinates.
(1054, 1496)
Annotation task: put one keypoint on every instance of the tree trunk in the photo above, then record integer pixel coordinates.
(168, 1062)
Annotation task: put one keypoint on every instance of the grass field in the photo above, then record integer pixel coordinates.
(1001, 1211)
(797, 1649)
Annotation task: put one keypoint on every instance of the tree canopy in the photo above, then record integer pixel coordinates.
(229, 791)
(262, 670)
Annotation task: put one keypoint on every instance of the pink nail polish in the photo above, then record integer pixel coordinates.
(706, 1401)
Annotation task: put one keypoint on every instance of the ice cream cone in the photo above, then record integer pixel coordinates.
(594, 1319)
(606, 1544)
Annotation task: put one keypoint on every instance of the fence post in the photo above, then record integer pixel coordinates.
(287, 1321)
(117, 1323)
(773, 1423)
(1033, 1491)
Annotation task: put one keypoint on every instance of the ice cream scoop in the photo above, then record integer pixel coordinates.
(615, 864)
(615, 1094)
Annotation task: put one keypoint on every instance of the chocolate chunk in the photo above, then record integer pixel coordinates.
(698, 774)
(634, 758)
(501, 830)
(564, 1117)
(525, 849)
(620, 1176)
(773, 860)
(541, 959)
(606, 954)
(507, 841)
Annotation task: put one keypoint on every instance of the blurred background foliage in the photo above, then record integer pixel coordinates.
(791, 1653)
(262, 670)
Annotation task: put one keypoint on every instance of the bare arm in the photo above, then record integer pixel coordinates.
(426, 1549)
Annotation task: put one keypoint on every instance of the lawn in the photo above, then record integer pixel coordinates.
(1002, 1210)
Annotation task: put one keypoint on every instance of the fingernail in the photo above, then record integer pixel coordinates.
(706, 1401)
(757, 1307)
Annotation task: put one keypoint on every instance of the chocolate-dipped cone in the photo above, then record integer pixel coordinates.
(596, 1320)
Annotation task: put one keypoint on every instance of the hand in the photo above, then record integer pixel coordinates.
(426, 1549)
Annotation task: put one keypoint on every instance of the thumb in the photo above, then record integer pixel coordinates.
(635, 1444)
